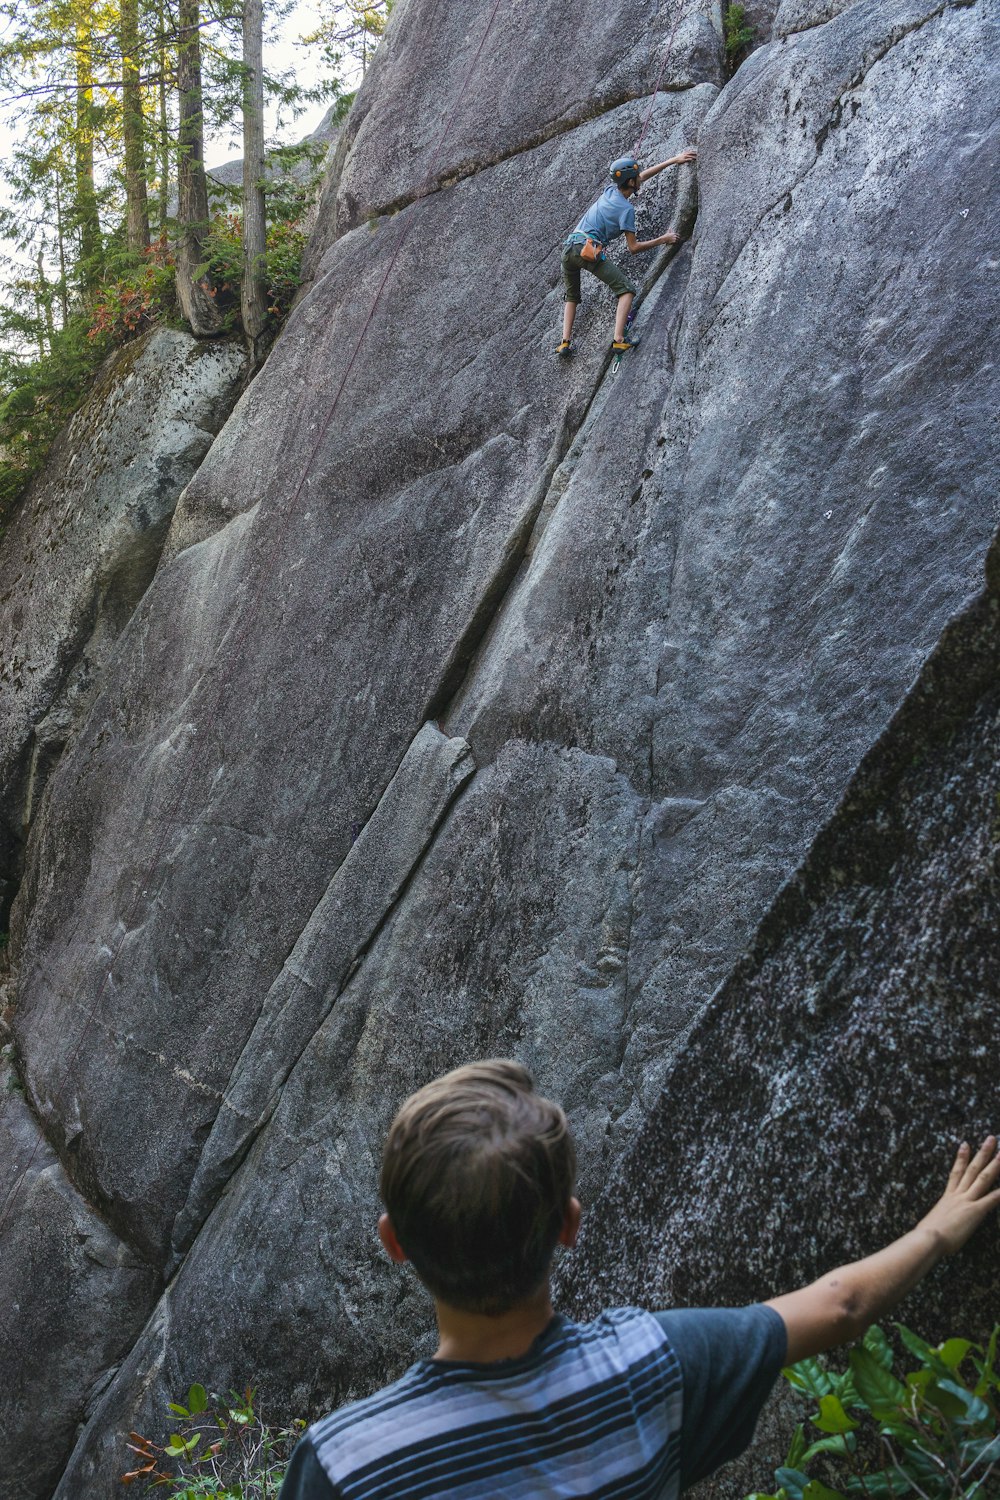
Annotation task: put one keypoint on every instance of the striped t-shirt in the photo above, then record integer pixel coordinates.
(615, 1408)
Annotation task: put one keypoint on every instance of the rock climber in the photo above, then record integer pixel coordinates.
(612, 215)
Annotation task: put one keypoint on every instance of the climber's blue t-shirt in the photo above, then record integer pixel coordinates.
(634, 1404)
(609, 217)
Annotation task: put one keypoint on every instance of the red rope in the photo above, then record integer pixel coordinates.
(251, 613)
(659, 77)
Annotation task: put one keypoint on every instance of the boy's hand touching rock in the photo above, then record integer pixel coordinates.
(973, 1191)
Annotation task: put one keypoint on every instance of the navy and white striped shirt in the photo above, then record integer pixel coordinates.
(596, 1409)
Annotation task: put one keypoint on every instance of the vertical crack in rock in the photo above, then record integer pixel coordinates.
(458, 678)
(753, 611)
(355, 905)
(79, 1289)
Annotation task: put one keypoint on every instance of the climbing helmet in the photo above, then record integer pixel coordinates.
(624, 172)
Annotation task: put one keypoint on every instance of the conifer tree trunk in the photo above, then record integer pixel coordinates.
(43, 298)
(133, 131)
(164, 143)
(192, 191)
(254, 289)
(86, 197)
(63, 285)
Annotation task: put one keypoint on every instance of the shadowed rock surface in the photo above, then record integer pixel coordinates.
(850, 1052)
(657, 621)
(80, 1292)
(83, 546)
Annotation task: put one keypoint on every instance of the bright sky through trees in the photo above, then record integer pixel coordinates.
(306, 62)
(110, 113)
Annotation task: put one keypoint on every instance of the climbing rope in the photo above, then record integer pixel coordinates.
(250, 613)
(678, 9)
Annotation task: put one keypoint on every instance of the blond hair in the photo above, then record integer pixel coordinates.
(477, 1174)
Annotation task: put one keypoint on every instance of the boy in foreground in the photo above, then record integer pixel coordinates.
(612, 215)
(477, 1180)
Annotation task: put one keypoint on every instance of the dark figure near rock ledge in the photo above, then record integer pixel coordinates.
(612, 215)
(477, 1180)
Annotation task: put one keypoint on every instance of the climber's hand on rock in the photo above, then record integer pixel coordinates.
(670, 238)
(972, 1193)
(684, 156)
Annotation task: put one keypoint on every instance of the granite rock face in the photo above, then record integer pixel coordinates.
(865, 1013)
(84, 544)
(483, 703)
(283, 622)
(79, 1295)
(414, 131)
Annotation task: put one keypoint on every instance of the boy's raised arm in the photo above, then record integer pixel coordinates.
(672, 161)
(841, 1305)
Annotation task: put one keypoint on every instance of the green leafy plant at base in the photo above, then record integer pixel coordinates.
(932, 1433)
(220, 1448)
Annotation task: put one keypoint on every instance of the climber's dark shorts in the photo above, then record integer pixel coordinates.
(604, 270)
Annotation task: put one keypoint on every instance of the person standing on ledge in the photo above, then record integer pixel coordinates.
(613, 214)
(477, 1181)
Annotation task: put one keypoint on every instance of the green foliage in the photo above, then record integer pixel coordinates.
(738, 33)
(349, 32)
(282, 263)
(220, 1448)
(69, 290)
(38, 396)
(132, 296)
(932, 1433)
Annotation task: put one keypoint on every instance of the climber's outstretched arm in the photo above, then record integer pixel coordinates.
(671, 161)
(638, 246)
(842, 1304)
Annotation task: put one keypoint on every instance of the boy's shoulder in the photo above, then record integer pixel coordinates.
(429, 1406)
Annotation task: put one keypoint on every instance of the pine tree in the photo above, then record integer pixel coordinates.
(254, 289)
(193, 292)
(133, 130)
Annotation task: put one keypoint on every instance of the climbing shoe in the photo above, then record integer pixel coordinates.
(565, 349)
(621, 346)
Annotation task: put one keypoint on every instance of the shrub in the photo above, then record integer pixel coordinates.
(223, 265)
(220, 1448)
(128, 303)
(737, 32)
(37, 398)
(930, 1433)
